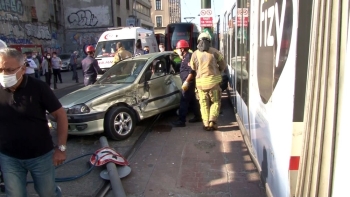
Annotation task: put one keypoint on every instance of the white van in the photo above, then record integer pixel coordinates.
(106, 46)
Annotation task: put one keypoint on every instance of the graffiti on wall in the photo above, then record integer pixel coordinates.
(12, 6)
(40, 32)
(88, 17)
(79, 40)
(83, 18)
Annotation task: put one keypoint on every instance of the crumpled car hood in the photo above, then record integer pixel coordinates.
(88, 93)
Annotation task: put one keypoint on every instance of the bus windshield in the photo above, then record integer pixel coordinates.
(108, 48)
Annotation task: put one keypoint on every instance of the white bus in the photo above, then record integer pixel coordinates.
(288, 61)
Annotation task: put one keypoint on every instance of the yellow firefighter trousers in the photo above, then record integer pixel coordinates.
(210, 103)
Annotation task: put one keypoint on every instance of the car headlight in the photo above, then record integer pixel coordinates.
(78, 109)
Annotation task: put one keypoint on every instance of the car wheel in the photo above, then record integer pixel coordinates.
(119, 123)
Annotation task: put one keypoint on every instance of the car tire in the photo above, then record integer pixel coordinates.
(119, 123)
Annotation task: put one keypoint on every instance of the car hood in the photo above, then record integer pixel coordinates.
(88, 93)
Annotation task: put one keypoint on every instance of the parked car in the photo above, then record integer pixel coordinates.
(65, 57)
(127, 93)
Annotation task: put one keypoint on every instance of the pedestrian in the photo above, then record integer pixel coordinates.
(208, 63)
(56, 68)
(47, 68)
(146, 50)
(30, 64)
(188, 96)
(25, 141)
(90, 67)
(161, 47)
(37, 62)
(138, 48)
(121, 53)
(73, 63)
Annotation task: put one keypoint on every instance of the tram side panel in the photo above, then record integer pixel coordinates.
(271, 70)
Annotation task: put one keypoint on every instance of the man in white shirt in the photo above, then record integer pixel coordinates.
(30, 65)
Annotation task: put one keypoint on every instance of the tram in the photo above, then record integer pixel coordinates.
(288, 64)
(181, 31)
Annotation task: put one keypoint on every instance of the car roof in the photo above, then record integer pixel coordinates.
(151, 55)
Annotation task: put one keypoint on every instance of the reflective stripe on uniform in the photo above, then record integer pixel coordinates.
(210, 80)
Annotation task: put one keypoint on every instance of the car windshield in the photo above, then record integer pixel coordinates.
(108, 48)
(65, 56)
(123, 72)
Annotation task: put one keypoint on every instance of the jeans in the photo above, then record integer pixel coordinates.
(56, 74)
(41, 169)
(75, 74)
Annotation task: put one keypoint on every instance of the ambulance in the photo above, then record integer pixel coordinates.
(106, 46)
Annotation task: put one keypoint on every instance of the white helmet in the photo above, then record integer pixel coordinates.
(204, 36)
(2, 44)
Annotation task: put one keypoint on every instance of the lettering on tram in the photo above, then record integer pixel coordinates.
(275, 33)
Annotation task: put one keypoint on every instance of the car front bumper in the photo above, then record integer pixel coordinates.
(84, 124)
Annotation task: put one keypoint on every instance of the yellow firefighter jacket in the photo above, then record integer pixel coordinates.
(208, 66)
(121, 54)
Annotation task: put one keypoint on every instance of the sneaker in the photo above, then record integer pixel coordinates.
(178, 123)
(195, 119)
(213, 126)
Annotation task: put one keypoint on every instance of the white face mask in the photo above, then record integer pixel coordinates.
(34, 56)
(161, 49)
(178, 51)
(8, 81)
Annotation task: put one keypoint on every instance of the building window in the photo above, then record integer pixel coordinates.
(118, 2)
(159, 21)
(158, 4)
(119, 22)
(142, 9)
(127, 5)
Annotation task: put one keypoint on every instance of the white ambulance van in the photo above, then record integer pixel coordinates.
(106, 46)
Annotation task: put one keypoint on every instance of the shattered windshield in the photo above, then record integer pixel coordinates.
(123, 72)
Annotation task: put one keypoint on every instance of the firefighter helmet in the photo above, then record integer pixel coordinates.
(204, 36)
(182, 44)
(90, 48)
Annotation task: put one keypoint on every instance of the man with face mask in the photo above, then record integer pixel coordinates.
(25, 141)
(30, 64)
(188, 96)
(161, 47)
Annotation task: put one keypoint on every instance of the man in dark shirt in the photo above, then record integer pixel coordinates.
(25, 141)
(90, 67)
(188, 96)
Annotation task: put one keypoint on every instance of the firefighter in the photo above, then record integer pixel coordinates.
(208, 63)
(188, 96)
(90, 67)
(121, 53)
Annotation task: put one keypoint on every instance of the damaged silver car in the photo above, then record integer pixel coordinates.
(131, 90)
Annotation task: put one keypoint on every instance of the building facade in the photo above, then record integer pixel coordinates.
(86, 20)
(67, 25)
(165, 12)
(32, 22)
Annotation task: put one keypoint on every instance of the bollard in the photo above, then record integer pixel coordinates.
(116, 184)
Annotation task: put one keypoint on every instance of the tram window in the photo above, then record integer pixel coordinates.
(243, 50)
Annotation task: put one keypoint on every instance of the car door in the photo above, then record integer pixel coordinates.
(159, 91)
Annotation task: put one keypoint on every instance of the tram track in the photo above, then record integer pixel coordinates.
(106, 187)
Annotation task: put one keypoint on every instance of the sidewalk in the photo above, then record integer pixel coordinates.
(188, 161)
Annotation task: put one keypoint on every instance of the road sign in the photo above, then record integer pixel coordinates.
(206, 18)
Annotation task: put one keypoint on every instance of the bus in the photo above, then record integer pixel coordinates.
(160, 38)
(288, 63)
(181, 31)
